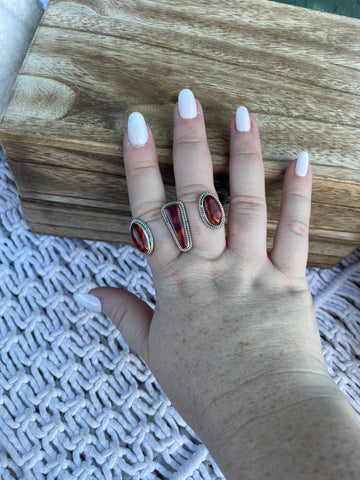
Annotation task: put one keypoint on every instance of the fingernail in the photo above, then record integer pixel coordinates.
(243, 120)
(187, 104)
(137, 130)
(89, 301)
(302, 164)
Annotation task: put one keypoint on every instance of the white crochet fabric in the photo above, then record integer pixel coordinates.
(75, 402)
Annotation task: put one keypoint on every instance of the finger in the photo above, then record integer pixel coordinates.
(129, 314)
(145, 186)
(194, 172)
(291, 240)
(247, 223)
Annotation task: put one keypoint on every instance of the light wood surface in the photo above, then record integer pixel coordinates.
(93, 62)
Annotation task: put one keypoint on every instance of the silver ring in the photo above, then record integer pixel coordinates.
(203, 214)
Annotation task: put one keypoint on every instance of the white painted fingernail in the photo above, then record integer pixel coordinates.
(302, 164)
(89, 301)
(187, 104)
(243, 120)
(137, 130)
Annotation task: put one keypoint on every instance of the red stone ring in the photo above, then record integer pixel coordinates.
(176, 220)
(142, 236)
(211, 210)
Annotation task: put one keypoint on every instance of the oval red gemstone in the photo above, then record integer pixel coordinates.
(139, 238)
(212, 210)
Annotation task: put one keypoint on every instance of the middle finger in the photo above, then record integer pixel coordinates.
(194, 173)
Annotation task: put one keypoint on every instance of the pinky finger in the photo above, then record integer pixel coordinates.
(291, 241)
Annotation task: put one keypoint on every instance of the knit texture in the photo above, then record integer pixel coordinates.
(75, 401)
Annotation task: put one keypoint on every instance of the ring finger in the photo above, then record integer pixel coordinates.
(247, 225)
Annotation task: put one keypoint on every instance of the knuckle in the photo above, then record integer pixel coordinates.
(118, 315)
(152, 212)
(298, 227)
(189, 138)
(143, 168)
(298, 197)
(250, 156)
(191, 192)
(244, 279)
(251, 205)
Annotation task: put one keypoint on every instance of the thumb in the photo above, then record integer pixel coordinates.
(130, 315)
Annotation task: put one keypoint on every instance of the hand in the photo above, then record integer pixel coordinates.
(234, 332)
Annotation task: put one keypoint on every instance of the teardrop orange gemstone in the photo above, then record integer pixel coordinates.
(139, 238)
(212, 210)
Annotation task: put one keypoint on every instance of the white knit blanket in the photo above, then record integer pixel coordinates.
(75, 402)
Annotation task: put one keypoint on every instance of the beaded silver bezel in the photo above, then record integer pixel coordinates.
(186, 224)
(203, 214)
(148, 234)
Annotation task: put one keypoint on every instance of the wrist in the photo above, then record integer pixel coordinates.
(305, 430)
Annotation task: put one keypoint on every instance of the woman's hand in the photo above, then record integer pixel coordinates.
(234, 335)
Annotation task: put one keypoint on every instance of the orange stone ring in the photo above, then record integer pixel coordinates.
(142, 236)
(211, 210)
(174, 214)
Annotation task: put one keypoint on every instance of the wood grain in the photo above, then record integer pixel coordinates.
(93, 62)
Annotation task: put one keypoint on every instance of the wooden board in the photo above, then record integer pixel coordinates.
(93, 62)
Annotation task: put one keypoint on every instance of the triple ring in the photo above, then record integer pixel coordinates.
(174, 214)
